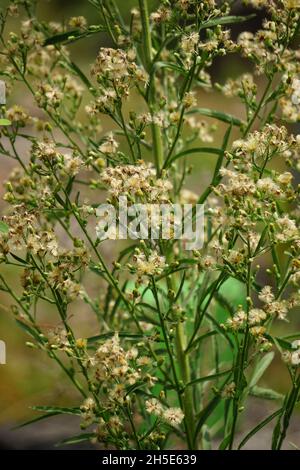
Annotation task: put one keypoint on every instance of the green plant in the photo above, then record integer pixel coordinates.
(175, 357)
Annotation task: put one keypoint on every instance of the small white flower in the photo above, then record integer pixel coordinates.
(173, 416)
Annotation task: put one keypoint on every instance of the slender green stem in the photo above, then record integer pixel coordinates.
(136, 437)
(258, 108)
(167, 341)
(185, 373)
(126, 133)
(184, 367)
(147, 42)
(288, 411)
(240, 363)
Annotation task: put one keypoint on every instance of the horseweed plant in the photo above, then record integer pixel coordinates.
(174, 357)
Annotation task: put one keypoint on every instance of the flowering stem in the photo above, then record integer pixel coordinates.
(57, 123)
(63, 314)
(110, 279)
(155, 315)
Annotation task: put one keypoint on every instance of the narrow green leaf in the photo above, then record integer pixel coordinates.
(29, 330)
(225, 303)
(225, 442)
(129, 336)
(62, 37)
(261, 368)
(57, 409)
(226, 20)
(284, 344)
(74, 35)
(277, 430)
(4, 228)
(209, 408)
(207, 378)
(169, 65)
(201, 338)
(206, 438)
(148, 306)
(198, 150)
(220, 330)
(75, 439)
(205, 413)
(224, 117)
(272, 96)
(259, 427)
(291, 336)
(266, 393)
(280, 342)
(5, 122)
(35, 420)
(20, 260)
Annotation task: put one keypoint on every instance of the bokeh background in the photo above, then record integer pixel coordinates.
(29, 378)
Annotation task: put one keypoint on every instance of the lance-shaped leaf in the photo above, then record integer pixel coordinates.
(261, 368)
(226, 20)
(224, 117)
(5, 122)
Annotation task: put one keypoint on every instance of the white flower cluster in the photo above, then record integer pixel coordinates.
(136, 180)
(172, 416)
(151, 265)
(293, 357)
(290, 103)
